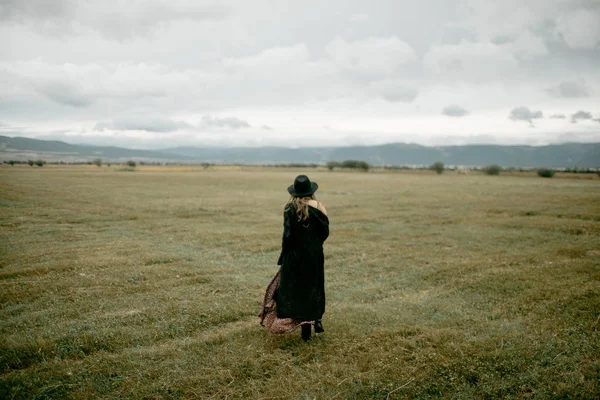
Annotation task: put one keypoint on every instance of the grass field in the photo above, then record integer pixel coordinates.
(147, 284)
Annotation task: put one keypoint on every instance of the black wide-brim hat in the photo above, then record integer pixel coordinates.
(302, 187)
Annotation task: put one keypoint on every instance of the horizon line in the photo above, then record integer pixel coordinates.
(303, 147)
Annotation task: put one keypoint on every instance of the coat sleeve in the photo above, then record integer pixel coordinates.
(325, 229)
(286, 240)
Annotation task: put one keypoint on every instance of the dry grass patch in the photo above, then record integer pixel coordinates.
(147, 285)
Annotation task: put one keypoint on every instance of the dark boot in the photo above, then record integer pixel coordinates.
(319, 326)
(305, 332)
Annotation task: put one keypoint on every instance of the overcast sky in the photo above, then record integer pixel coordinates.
(151, 74)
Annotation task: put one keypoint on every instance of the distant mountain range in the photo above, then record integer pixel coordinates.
(19, 148)
(583, 155)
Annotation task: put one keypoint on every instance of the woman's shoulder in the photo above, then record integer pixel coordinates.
(318, 205)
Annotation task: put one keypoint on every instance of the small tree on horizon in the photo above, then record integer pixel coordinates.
(437, 166)
(355, 164)
(98, 162)
(493, 169)
(333, 164)
(546, 172)
(363, 165)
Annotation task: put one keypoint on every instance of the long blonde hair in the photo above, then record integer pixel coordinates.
(300, 204)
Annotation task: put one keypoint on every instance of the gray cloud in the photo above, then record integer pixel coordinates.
(24, 9)
(400, 95)
(524, 114)
(472, 62)
(454, 111)
(133, 19)
(371, 59)
(266, 128)
(569, 89)
(85, 86)
(457, 34)
(209, 121)
(65, 94)
(359, 18)
(558, 116)
(500, 40)
(148, 124)
(6, 128)
(143, 18)
(580, 116)
(579, 28)
(581, 137)
(394, 91)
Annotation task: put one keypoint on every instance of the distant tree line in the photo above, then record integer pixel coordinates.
(576, 170)
(437, 166)
(292, 165)
(31, 163)
(348, 164)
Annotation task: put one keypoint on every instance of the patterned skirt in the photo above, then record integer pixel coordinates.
(268, 313)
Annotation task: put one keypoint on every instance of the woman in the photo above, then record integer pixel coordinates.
(296, 295)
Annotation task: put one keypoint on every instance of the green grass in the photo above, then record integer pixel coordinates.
(148, 285)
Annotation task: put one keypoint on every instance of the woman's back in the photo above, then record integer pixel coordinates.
(309, 232)
(302, 288)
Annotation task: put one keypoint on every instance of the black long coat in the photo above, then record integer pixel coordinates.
(301, 292)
